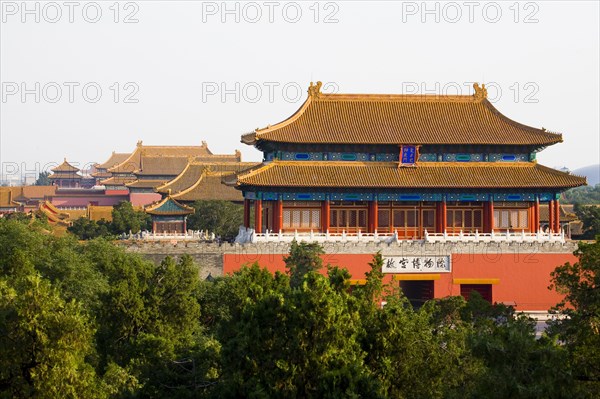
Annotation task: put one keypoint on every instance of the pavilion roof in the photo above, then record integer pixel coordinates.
(400, 119)
(133, 162)
(168, 206)
(424, 175)
(210, 187)
(194, 171)
(66, 167)
(115, 159)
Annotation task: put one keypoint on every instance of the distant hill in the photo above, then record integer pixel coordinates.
(592, 173)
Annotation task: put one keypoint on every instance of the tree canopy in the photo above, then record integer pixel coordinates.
(220, 217)
(87, 319)
(43, 180)
(579, 329)
(585, 195)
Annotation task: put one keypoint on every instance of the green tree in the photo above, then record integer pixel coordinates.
(297, 343)
(26, 249)
(590, 216)
(43, 180)
(516, 363)
(149, 316)
(221, 217)
(303, 258)
(126, 219)
(579, 329)
(585, 195)
(86, 229)
(43, 343)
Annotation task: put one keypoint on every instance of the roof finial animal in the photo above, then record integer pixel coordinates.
(480, 92)
(314, 90)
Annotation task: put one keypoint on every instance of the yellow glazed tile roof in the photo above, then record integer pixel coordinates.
(115, 159)
(133, 162)
(389, 175)
(118, 180)
(194, 170)
(209, 187)
(401, 119)
(145, 183)
(65, 167)
(162, 165)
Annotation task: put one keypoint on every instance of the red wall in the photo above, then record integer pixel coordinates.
(143, 199)
(524, 278)
(83, 201)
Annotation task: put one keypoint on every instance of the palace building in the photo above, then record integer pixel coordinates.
(101, 170)
(201, 181)
(446, 187)
(66, 175)
(148, 167)
(408, 166)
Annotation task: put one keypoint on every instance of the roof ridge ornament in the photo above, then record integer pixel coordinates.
(314, 90)
(480, 92)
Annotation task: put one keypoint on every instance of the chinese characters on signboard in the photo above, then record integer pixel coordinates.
(416, 264)
(408, 154)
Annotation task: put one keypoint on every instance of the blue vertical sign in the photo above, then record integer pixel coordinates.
(408, 155)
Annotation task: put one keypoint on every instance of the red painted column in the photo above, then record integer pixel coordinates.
(374, 215)
(279, 218)
(438, 217)
(325, 213)
(531, 216)
(153, 226)
(443, 220)
(258, 216)
(551, 215)
(486, 218)
(537, 215)
(246, 213)
(557, 216)
(490, 205)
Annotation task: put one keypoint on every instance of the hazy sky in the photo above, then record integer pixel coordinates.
(179, 72)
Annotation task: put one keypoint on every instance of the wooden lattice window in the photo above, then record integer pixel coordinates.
(301, 219)
(465, 219)
(506, 218)
(349, 219)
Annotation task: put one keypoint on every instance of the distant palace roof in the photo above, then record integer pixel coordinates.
(388, 175)
(400, 119)
(209, 187)
(159, 165)
(168, 206)
(565, 215)
(115, 159)
(25, 193)
(65, 167)
(6, 199)
(118, 180)
(133, 162)
(146, 183)
(194, 171)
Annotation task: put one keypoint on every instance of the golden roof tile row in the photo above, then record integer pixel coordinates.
(401, 119)
(388, 175)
